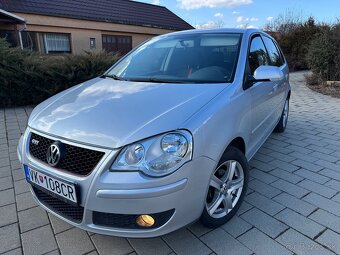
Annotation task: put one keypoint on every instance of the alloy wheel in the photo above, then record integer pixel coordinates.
(225, 188)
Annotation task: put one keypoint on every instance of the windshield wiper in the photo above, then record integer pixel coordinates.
(112, 76)
(155, 80)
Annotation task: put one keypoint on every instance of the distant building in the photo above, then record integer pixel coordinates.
(74, 26)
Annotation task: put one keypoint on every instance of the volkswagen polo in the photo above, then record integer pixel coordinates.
(163, 138)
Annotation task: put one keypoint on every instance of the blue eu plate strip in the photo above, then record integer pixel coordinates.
(27, 173)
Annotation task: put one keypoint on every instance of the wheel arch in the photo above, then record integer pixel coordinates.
(238, 143)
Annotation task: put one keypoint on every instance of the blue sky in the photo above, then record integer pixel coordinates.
(241, 13)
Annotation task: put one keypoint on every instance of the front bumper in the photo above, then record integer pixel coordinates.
(131, 193)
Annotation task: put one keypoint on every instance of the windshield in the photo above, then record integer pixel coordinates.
(189, 58)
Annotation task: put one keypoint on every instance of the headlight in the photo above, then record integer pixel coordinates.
(157, 156)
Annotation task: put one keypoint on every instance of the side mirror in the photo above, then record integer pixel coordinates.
(268, 73)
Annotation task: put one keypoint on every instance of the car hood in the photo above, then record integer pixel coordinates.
(109, 113)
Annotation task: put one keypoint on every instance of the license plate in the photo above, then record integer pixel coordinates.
(63, 189)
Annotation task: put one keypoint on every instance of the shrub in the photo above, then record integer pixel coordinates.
(323, 56)
(294, 37)
(29, 78)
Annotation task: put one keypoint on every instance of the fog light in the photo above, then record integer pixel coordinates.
(145, 221)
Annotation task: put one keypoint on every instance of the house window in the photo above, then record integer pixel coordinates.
(92, 43)
(55, 43)
(117, 43)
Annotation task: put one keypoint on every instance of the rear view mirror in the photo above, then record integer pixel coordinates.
(268, 73)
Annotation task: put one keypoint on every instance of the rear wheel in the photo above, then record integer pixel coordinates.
(227, 188)
(281, 126)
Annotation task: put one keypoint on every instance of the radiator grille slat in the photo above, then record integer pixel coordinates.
(77, 160)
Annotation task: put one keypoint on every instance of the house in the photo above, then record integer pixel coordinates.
(74, 26)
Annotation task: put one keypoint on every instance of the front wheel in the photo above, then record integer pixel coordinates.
(227, 188)
(281, 126)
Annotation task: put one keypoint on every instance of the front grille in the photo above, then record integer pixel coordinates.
(128, 221)
(77, 160)
(68, 211)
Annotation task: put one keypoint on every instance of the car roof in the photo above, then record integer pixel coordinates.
(219, 30)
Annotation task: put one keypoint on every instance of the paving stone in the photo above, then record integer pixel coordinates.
(25, 201)
(74, 241)
(336, 198)
(32, 218)
(300, 223)
(262, 244)
(220, 242)
(318, 188)
(96, 253)
(8, 215)
(331, 174)
(325, 164)
(150, 246)
(324, 156)
(277, 142)
(16, 251)
(264, 222)
(263, 188)
(6, 183)
(331, 240)
(21, 187)
(7, 197)
(299, 149)
(267, 205)
(38, 241)
(18, 174)
(243, 208)
(111, 245)
(323, 203)
(300, 244)
(284, 165)
(289, 188)
(5, 171)
(58, 225)
(282, 174)
(262, 176)
(282, 157)
(272, 147)
(236, 226)
(198, 229)
(263, 157)
(261, 166)
(4, 162)
(183, 242)
(295, 204)
(302, 156)
(55, 252)
(312, 176)
(319, 149)
(9, 238)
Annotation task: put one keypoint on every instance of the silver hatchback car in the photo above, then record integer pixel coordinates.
(163, 138)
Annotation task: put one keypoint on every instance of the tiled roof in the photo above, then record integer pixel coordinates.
(115, 11)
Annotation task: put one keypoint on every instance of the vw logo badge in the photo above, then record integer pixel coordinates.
(54, 154)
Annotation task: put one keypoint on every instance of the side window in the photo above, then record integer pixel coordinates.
(274, 54)
(257, 54)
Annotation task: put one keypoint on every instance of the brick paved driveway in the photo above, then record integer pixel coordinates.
(293, 204)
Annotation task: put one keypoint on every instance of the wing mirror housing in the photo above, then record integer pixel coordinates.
(268, 73)
(263, 74)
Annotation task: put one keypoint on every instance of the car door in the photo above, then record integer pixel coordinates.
(262, 95)
(276, 59)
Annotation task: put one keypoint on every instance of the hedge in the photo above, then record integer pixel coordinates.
(29, 78)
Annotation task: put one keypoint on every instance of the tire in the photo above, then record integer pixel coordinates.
(281, 126)
(226, 192)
